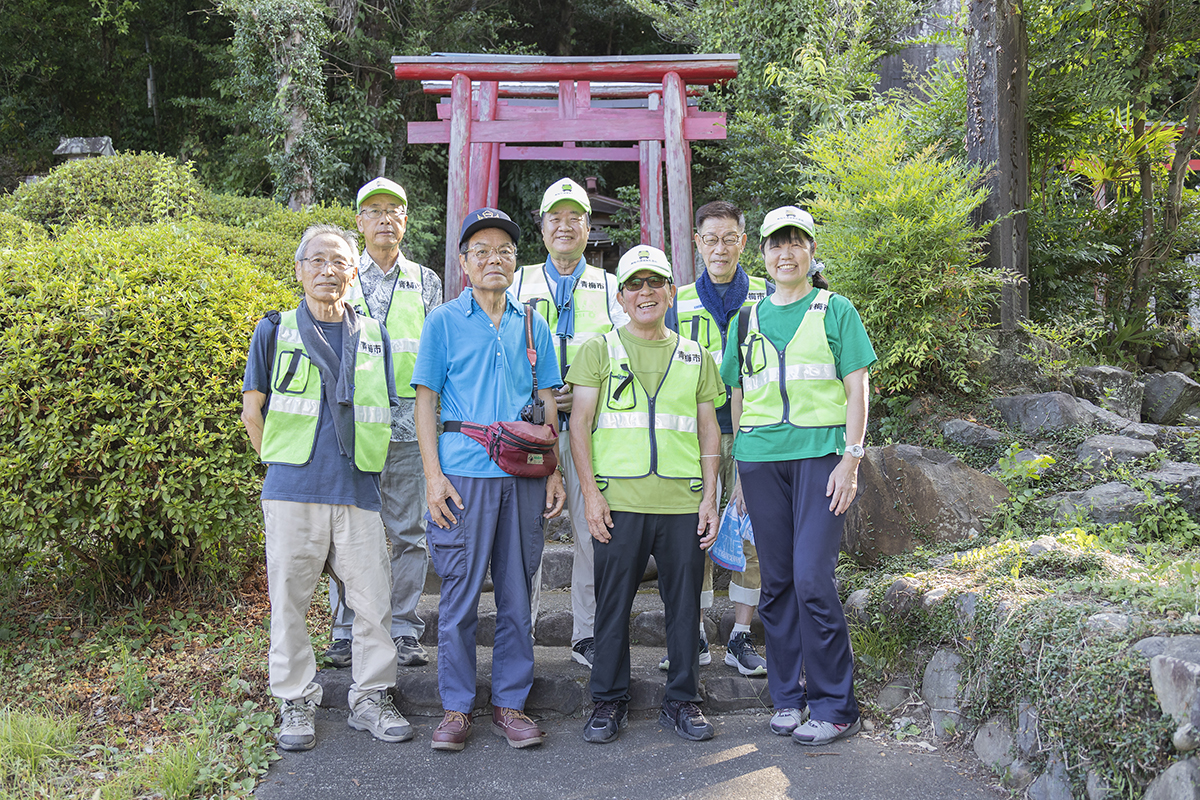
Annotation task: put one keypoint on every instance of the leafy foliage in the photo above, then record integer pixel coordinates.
(899, 240)
(128, 189)
(120, 362)
(15, 231)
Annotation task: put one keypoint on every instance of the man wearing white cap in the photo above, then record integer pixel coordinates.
(399, 294)
(646, 445)
(580, 303)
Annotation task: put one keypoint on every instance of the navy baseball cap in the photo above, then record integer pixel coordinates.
(482, 218)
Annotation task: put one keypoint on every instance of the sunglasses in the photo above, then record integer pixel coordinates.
(653, 281)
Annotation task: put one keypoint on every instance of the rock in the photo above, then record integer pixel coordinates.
(1027, 728)
(931, 599)
(1176, 435)
(723, 630)
(554, 629)
(894, 696)
(728, 691)
(1192, 415)
(1110, 388)
(965, 605)
(1151, 646)
(1181, 479)
(1168, 396)
(1041, 413)
(485, 633)
(646, 695)
(902, 489)
(559, 529)
(1043, 544)
(1053, 783)
(1187, 738)
(1102, 418)
(1180, 781)
(1142, 430)
(1108, 624)
(970, 434)
(1185, 647)
(1186, 367)
(1175, 682)
(558, 694)
(1103, 448)
(556, 566)
(994, 744)
(1097, 787)
(1021, 457)
(649, 628)
(1013, 358)
(856, 605)
(1018, 775)
(939, 690)
(901, 596)
(1105, 504)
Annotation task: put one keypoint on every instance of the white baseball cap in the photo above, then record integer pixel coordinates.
(643, 257)
(382, 186)
(788, 217)
(566, 189)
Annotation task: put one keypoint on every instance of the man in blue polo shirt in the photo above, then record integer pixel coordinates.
(473, 359)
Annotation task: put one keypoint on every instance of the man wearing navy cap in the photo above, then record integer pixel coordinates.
(473, 360)
(399, 294)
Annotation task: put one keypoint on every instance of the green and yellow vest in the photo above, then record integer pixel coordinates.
(799, 386)
(637, 435)
(697, 324)
(405, 318)
(290, 429)
(591, 306)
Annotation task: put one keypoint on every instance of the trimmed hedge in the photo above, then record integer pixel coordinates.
(16, 232)
(121, 449)
(261, 214)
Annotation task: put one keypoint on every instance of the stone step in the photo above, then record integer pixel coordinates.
(560, 686)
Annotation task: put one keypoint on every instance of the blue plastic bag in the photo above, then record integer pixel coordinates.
(727, 550)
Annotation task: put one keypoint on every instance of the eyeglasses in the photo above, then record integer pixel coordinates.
(505, 251)
(653, 281)
(319, 264)
(729, 239)
(376, 213)
(570, 219)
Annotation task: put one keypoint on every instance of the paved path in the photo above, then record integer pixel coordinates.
(744, 762)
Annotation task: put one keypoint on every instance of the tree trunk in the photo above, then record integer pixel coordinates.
(296, 115)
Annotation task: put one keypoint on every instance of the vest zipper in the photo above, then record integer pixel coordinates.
(783, 392)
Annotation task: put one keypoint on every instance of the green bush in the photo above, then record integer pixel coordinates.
(127, 189)
(261, 214)
(271, 252)
(899, 240)
(121, 451)
(16, 232)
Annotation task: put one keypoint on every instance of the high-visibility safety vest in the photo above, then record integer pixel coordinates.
(636, 434)
(591, 306)
(405, 318)
(798, 386)
(697, 324)
(290, 429)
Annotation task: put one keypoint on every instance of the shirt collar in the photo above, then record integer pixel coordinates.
(467, 300)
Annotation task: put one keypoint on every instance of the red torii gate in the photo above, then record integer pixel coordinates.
(482, 129)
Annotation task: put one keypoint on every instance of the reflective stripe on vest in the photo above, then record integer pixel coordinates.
(798, 386)
(636, 435)
(290, 428)
(405, 318)
(591, 306)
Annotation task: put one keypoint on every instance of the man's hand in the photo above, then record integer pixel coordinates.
(438, 490)
(843, 485)
(709, 523)
(599, 518)
(556, 495)
(565, 398)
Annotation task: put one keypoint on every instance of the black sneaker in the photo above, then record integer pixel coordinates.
(409, 652)
(705, 656)
(584, 652)
(338, 654)
(741, 654)
(608, 717)
(687, 719)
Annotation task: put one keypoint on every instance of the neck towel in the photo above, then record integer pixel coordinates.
(564, 295)
(337, 369)
(723, 308)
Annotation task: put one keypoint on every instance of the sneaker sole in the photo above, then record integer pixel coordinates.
(667, 722)
(449, 746)
(296, 748)
(616, 733)
(731, 661)
(499, 731)
(383, 737)
(580, 658)
(415, 661)
(853, 729)
(338, 663)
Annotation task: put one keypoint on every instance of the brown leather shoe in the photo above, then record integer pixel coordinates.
(452, 733)
(518, 729)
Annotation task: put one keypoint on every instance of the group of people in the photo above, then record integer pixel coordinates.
(669, 404)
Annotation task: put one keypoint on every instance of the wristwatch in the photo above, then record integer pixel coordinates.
(856, 450)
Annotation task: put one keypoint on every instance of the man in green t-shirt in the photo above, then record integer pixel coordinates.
(645, 441)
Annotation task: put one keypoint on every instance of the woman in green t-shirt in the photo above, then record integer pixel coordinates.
(800, 394)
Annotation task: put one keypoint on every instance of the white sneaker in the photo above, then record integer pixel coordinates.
(817, 732)
(297, 729)
(786, 720)
(376, 714)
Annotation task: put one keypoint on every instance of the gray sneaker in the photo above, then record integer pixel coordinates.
(376, 714)
(409, 652)
(297, 728)
(818, 732)
(338, 655)
(786, 720)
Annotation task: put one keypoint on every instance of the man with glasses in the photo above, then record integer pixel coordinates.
(645, 441)
(704, 313)
(580, 303)
(316, 400)
(473, 359)
(398, 293)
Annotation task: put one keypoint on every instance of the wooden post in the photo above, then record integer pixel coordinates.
(481, 153)
(650, 186)
(679, 198)
(456, 184)
(997, 135)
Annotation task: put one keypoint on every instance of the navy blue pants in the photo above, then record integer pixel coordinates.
(798, 538)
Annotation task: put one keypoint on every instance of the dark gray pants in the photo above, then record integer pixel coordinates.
(620, 564)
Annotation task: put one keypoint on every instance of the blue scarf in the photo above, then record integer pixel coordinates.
(724, 308)
(564, 295)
